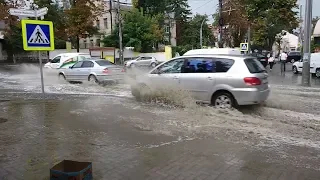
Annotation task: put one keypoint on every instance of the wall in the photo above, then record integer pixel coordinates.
(127, 53)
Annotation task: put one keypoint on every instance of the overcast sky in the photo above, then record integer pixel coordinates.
(209, 6)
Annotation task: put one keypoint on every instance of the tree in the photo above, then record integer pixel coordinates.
(57, 16)
(80, 19)
(139, 31)
(12, 34)
(269, 17)
(191, 33)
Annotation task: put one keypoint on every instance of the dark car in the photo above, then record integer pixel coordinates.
(262, 58)
(293, 56)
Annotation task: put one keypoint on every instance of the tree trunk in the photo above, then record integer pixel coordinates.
(78, 43)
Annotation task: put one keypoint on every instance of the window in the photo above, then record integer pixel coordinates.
(173, 66)
(167, 29)
(104, 63)
(77, 65)
(98, 42)
(105, 22)
(87, 64)
(81, 58)
(199, 65)
(56, 59)
(98, 24)
(254, 66)
(223, 65)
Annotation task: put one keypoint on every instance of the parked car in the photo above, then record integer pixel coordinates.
(314, 65)
(224, 81)
(142, 61)
(262, 58)
(94, 70)
(293, 56)
(65, 60)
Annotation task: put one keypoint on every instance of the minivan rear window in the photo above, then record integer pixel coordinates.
(254, 66)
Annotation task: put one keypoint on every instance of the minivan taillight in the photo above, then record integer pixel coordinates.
(252, 81)
(106, 71)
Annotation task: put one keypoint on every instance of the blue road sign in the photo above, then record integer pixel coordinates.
(37, 35)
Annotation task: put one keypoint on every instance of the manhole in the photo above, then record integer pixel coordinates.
(3, 120)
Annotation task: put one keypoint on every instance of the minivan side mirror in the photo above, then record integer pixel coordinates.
(70, 67)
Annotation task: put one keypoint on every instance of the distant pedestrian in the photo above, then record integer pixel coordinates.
(271, 62)
(283, 60)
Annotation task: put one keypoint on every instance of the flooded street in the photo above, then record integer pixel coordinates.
(127, 139)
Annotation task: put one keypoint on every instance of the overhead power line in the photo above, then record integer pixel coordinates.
(203, 5)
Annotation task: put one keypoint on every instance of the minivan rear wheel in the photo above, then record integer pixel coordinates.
(223, 100)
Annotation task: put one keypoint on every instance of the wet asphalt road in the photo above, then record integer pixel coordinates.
(126, 139)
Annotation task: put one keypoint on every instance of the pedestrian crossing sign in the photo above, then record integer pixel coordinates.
(244, 47)
(37, 35)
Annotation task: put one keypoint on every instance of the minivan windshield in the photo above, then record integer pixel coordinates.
(254, 66)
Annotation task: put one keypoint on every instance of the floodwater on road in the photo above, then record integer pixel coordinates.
(289, 118)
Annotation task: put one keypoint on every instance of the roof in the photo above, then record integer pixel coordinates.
(316, 32)
(215, 51)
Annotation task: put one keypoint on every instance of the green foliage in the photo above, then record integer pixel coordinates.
(57, 16)
(191, 33)
(13, 41)
(180, 49)
(139, 31)
(269, 17)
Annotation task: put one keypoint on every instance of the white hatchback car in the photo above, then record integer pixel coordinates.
(224, 81)
(142, 61)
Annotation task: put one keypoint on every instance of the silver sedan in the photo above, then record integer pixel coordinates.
(94, 70)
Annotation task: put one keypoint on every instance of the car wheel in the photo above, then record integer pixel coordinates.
(318, 73)
(292, 61)
(93, 79)
(132, 65)
(62, 77)
(153, 65)
(223, 100)
(295, 70)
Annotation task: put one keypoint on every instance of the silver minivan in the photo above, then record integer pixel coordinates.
(224, 81)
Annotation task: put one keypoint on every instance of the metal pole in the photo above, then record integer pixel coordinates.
(120, 35)
(221, 25)
(201, 33)
(307, 44)
(249, 38)
(41, 71)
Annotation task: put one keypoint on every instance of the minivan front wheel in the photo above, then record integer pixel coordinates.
(295, 70)
(223, 100)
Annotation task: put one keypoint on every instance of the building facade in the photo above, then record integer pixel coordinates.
(105, 23)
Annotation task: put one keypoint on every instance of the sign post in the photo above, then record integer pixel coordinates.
(37, 35)
(244, 47)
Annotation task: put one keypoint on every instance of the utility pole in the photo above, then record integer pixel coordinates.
(307, 44)
(111, 17)
(300, 31)
(120, 34)
(221, 23)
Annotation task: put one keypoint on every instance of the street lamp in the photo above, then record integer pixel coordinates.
(201, 32)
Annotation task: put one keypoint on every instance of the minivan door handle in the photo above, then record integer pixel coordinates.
(210, 78)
